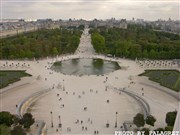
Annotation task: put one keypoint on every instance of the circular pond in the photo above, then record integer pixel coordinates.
(85, 66)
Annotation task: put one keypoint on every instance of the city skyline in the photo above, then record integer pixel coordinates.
(89, 10)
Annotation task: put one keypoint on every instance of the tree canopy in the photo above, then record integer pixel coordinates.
(139, 120)
(41, 43)
(27, 120)
(170, 118)
(18, 130)
(150, 120)
(14, 125)
(98, 42)
(4, 130)
(136, 41)
(6, 118)
(146, 131)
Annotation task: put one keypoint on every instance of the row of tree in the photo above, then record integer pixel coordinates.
(40, 43)
(139, 121)
(14, 125)
(136, 41)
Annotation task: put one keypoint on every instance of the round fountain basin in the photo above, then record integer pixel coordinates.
(85, 66)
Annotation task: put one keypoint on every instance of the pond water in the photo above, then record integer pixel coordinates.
(85, 66)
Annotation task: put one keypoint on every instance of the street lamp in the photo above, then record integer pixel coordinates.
(63, 85)
(60, 125)
(116, 120)
(51, 119)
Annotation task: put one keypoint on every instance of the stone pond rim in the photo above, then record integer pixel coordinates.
(85, 66)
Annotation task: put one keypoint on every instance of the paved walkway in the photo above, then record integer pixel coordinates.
(85, 98)
(85, 47)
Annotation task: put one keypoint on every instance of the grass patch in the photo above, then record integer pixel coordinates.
(10, 76)
(167, 78)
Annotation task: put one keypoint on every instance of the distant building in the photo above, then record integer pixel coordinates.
(30, 24)
(123, 24)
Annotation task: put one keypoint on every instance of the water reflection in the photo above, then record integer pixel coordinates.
(85, 66)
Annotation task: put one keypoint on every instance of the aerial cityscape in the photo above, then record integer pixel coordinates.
(90, 67)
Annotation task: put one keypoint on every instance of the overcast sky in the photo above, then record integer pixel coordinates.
(90, 9)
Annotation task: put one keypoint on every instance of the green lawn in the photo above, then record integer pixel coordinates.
(167, 78)
(7, 77)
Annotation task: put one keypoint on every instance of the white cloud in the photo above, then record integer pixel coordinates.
(90, 9)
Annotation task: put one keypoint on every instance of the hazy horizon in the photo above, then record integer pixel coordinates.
(90, 9)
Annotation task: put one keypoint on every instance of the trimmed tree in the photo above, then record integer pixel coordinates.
(98, 42)
(16, 120)
(18, 130)
(146, 131)
(27, 120)
(170, 118)
(150, 120)
(4, 129)
(55, 51)
(6, 118)
(139, 120)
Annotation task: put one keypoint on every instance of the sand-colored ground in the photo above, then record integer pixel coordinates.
(85, 91)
